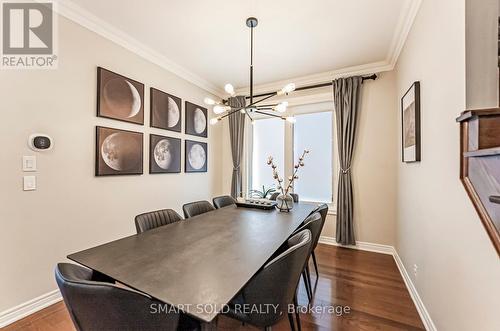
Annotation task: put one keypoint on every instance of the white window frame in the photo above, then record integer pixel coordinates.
(297, 109)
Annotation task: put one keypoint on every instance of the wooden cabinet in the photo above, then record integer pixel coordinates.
(480, 166)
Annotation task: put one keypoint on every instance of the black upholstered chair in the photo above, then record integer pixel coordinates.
(275, 284)
(295, 196)
(154, 219)
(196, 208)
(99, 305)
(313, 224)
(223, 201)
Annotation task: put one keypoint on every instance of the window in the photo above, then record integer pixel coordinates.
(268, 139)
(314, 132)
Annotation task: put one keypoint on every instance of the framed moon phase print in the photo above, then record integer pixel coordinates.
(164, 154)
(118, 152)
(165, 111)
(196, 120)
(410, 118)
(119, 97)
(196, 155)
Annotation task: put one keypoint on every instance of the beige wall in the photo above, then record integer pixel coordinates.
(375, 161)
(72, 209)
(481, 40)
(437, 227)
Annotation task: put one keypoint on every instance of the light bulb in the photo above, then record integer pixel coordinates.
(209, 101)
(214, 120)
(229, 89)
(287, 89)
(281, 107)
(291, 119)
(219, 109)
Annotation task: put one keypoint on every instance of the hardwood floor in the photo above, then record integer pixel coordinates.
(368, 283)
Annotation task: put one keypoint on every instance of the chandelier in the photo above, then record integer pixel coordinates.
(223, 110)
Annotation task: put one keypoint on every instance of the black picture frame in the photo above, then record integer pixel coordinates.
(196, 119)
(116, 93)
(129, 143)
(410, 125)
(192, 158)
(174, 146)
(164, 107)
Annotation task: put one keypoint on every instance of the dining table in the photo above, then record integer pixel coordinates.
(198, 264)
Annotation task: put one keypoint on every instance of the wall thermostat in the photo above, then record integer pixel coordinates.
(40, 142)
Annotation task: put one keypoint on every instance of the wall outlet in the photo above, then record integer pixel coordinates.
(29, 183)
(415, 270)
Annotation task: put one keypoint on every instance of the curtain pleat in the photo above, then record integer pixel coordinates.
(346, 95)
(236, 136)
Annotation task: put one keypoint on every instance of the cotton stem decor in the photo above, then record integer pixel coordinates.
(285, 200)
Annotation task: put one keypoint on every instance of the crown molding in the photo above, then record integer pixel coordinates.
(405, 22)
(91, 22)
(77, 14)
(403, 28)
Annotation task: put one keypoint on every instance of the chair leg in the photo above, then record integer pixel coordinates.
(306, 285)
(315, 264)
(309, 280)
(297, 314)
(292, 323)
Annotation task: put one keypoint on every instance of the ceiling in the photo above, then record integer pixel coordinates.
(209, 41)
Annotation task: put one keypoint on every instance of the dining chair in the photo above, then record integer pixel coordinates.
(98, 305)
(196, 208)
(154, 219)
(295, 196)
(323, 211)
(223, 201)
(313, 224)
(275, 285)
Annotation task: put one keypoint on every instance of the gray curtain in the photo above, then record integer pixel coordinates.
(236, 136)
(346, 93)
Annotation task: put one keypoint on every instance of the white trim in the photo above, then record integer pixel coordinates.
(405, 23)
(30, 307)
(390, 250)
(83, 17)
(363, 246)
(406, 19)
(419, 304)
(77, 14)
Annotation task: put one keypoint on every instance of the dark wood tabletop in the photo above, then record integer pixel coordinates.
(198, 264)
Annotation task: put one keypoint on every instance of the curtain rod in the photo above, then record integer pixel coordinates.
(372, 77)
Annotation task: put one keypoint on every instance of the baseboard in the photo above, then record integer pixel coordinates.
(419, 304)
(30, 307)
(386, 249)
(361, 245)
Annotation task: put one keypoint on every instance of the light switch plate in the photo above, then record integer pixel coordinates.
(29, 183)
(29, 163)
